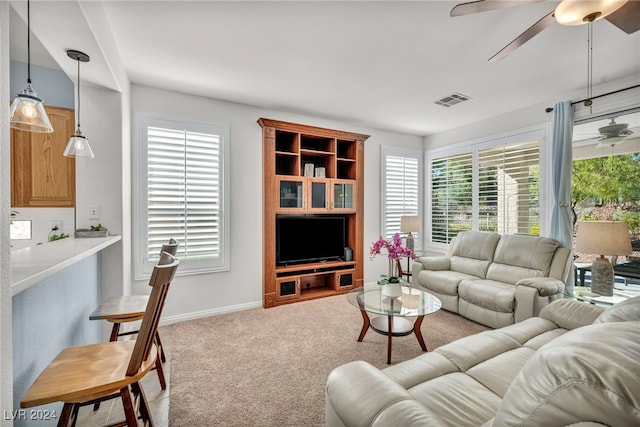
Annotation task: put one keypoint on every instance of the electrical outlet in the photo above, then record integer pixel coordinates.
(55, 225)
(93, 212)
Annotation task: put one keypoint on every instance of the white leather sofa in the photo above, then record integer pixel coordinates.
(495, 279)
(575, 365)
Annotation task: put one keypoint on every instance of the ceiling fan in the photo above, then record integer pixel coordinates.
(624, 14)
(610, 135)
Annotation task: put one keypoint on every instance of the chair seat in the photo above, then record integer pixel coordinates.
(121, 309)
(87, 372)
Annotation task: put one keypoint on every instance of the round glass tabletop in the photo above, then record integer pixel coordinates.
(411, 302)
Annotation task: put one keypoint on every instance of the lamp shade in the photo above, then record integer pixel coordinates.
(409, 223)
(603, 238)
(28, 113)
(578, 12)
(78, 145)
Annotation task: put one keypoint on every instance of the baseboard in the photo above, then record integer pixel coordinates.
(169, 320)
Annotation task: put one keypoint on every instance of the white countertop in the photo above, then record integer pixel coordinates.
(34, 264)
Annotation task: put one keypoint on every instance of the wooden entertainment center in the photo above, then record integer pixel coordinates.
(311, 172)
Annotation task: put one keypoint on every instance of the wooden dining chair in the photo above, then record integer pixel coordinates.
(131, 308)
(89, 374)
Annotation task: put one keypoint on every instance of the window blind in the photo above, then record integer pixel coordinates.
(180, 192)
(508, 185)
(401, 190)
(451, 196)
(489, 189)
(183, 188)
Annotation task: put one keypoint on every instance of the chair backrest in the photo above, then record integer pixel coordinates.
(171, 248)
(160, 280)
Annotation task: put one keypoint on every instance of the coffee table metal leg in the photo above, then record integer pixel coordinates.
(389, 335)
(365, 325)
(416, 330)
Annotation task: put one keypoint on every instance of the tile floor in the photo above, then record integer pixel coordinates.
(111, 411)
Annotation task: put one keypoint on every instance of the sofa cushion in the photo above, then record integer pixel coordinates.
(472, 251)
(519, 256)
(495, 296)
(588, 374)
(621, 312)
(445, 282)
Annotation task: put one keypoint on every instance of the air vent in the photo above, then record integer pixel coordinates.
(453, 99)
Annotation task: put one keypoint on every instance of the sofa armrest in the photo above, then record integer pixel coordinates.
(545, 286)
(535, 293)
(435, 262)
(358, 395)
(570, 313)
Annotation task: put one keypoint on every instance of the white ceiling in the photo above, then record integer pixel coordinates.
(375, 63)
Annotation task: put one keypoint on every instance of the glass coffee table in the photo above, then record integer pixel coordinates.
(392, 313)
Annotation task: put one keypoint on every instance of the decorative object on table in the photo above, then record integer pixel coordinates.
(93, 231)
(27, 111)
(604, 238)
(78, 144)
(395, 250)
(308, 169)
(410, 224)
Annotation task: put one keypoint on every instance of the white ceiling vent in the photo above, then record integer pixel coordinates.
(453, 99)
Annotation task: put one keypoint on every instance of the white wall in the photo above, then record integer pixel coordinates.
(241, 287)
(6, 388)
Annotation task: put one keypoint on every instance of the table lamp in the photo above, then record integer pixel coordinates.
(409, 224)
(605, 238)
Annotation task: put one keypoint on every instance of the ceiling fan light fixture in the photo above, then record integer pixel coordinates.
(579, 12)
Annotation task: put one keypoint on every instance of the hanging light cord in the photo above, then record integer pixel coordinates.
(28, 42)
(588, 102)
(78, 61)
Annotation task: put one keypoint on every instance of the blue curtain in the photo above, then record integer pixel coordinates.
(561, 217)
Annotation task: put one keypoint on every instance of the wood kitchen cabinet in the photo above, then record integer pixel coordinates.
(40, 175)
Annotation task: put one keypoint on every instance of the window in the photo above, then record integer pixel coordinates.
(180, 192)
(401, 188)
(488, 186)
(606, 174)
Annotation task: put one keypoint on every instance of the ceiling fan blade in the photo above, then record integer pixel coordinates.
(525, 37)
(483, 6)
(627, 18)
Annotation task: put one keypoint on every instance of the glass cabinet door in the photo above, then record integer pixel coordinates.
(343, 197)
(319, 195)
(291, 194)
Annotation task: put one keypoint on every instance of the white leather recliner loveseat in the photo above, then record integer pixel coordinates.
(574, 365)
(495, 279)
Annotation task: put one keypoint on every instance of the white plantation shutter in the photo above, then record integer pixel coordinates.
(451, 196)
(183, 195)
(401, 188)
(488, 186)
(508, 189)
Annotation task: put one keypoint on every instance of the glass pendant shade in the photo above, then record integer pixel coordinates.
(27, 113)
(78, 145)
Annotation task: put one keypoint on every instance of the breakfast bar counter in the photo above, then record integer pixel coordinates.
(33, 264)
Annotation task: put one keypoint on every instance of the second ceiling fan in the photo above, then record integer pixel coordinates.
(624, 14)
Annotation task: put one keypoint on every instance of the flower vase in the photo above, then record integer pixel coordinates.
(392, 288)
(393, 270)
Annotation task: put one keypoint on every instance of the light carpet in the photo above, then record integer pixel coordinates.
(268, 367)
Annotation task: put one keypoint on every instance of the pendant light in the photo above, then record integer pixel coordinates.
(27, 111)
(78, 144)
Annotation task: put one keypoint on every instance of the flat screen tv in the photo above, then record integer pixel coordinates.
(309, 238)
